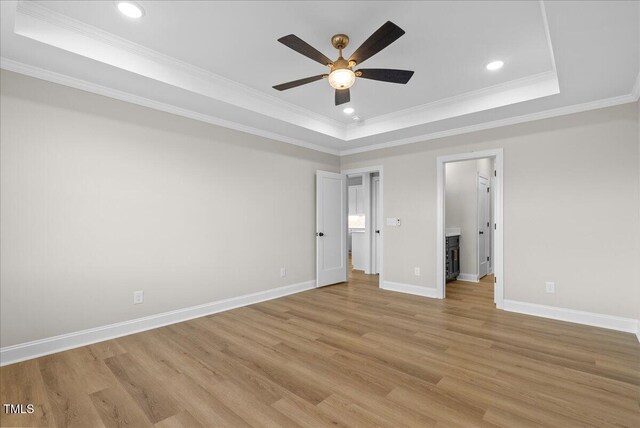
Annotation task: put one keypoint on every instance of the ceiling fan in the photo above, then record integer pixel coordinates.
(341, 76)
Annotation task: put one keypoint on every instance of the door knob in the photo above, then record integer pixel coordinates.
(377, 231)
(481, 233)
(320, 234)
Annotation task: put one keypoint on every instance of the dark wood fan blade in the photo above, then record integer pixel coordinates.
(385, 74)
(342, 96)
(383, 37)
(300, 82)
(300, 46)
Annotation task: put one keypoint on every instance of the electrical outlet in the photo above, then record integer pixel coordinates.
(283, 272)
(416, 271)
(138, 297)
(550, 287)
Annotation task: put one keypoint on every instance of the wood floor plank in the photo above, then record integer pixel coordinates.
(22, 383)
(257, 414)
(146, 390)
(344, 355)
(117, 410)
(183, 419)
(70, 404)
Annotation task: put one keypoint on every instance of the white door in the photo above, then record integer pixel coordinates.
(331, 228)
(484, 229)
(377, 224)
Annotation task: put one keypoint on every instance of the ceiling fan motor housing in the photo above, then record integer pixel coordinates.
(340, 41)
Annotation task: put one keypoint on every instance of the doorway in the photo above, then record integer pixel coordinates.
(334, 199)
(364, 225)
(484, 208)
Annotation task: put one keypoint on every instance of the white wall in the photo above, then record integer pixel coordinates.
(571, 203)
(100, 198)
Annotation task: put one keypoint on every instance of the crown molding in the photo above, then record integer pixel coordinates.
(40, 73)
(546, 114)
(507, 93)
(40, 23)
(37, 22)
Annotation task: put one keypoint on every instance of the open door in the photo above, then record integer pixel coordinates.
(331, 228)
(484, 229)
(376, 214)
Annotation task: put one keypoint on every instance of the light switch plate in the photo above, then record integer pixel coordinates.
(416, 271)
(392, 221)
(283, 272)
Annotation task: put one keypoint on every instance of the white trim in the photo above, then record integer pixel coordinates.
(380, 170)
(38, 22)
(37, 348)
(440, 223)
(545, 21)
(611, 322)
(61, 79)
(546, 114)
(635, 91)
(467, 277)
(375, 203)
(508, 93)
(410, 289)
(40, 73)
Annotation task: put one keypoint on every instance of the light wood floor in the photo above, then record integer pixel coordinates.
(348, 355)
(471, 293)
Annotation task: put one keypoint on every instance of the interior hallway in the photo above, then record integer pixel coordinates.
(360, 279)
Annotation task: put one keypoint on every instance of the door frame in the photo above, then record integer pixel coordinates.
(379, 170)
(478, 176)
(497, 154)
(375, 199)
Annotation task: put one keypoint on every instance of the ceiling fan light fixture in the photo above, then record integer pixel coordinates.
(342, 78)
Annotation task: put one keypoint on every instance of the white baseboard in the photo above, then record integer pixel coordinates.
(37, 348)
(410, 289)
(467, 277)
(611, 322)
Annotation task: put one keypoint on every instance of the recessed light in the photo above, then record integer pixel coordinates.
(130, 10)
(495, 65)
(348, 110)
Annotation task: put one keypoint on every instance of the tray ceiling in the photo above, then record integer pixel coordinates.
(217, 61)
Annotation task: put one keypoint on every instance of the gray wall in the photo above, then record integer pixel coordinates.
(571, 203)
(100, 198)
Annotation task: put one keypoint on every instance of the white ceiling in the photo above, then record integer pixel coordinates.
(217, 61)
